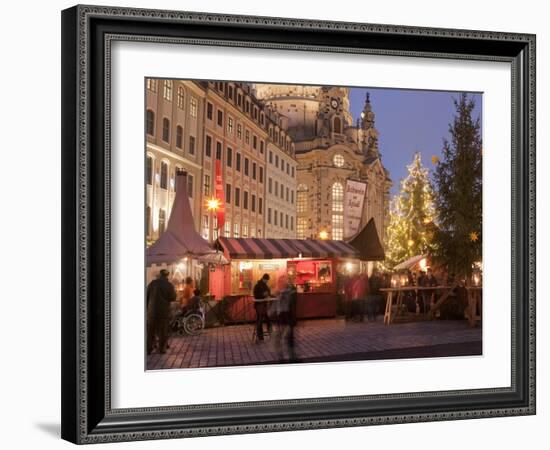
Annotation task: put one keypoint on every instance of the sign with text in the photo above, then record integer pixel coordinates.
(354, 199)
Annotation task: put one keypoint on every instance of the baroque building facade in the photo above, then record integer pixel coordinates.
(220, 129)
(330, 150)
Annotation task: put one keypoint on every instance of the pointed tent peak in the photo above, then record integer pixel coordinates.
(367, 243)
(180, 238)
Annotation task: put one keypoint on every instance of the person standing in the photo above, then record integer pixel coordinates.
(374, 298)
(261, 293)
(160, 292)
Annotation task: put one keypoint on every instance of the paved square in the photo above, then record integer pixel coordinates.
(320, 340)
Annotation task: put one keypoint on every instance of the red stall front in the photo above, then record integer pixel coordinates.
(309, 264)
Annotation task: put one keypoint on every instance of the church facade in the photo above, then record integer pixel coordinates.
(330, 150)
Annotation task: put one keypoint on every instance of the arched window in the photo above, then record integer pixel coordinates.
(168, 90)
(165, 130)
(337, 124)
(150, 122)
(181, 97)
(337, 211)
(179, 136)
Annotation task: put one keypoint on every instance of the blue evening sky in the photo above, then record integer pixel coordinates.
(409, 121)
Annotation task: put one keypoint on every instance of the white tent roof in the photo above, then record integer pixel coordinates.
(180, 238)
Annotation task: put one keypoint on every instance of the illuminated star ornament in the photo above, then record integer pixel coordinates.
(474, 236)
(435, 159)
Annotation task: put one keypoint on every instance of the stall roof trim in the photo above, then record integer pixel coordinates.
(261, 248)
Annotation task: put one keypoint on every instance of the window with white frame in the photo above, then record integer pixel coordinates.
(167, 90)
(181, 97)
(193, 107)
(301, 198)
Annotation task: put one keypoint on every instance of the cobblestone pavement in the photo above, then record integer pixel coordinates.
(320, 340)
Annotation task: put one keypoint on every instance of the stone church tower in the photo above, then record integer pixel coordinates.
(330, 150)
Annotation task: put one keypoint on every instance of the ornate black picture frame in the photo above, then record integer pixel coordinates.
(87, 35)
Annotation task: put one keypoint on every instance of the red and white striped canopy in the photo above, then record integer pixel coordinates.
(256, 248)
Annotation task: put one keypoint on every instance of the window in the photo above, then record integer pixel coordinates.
(168, 90)
(209, 110)
(179, 136)
(286, 221)
(269, 215)
(181, 97)
(231, 92)
(237, 197)
(260, 206)
(149, 171)
(152, 84)
(229, 156)
(338, 160)
(261, 174)
(236, 230)
(337, 227)
(208, 146)
(275, 217)
(191, 145)
(227, 229)
(239, 131)
(163, 175)
(292, 171)
(247, 106)
(148, 221)
(282, 165)
(165, 130)
(254, 170)
(207, 185)
(301, 201)
(193, 107)
(262, 147)
(238, 162)
(190, 185)
(337, 211)
(220, 118)
(253, 204)
(337, 197)
(247, 136)
(277, 161)
(205, 227)
(288, 168)
(245, 230)
(218, 151)
(276, 188)
(270, 157)
(230, 125)
(246, 164)
(301, 227)
(228, 193)
(239, 99)
(287, 194)
(270, 186)
(337, 125)
(245, 200)
(291, 223)
(281, 219)
(292, 196)
(150, 122)
(254, 142)
(162, 221)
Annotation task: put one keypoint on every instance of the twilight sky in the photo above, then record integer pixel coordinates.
(409, 121)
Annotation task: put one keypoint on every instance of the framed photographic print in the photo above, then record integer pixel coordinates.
(283, 224)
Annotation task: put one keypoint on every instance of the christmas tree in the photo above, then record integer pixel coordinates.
(459, 195)
(412, 213)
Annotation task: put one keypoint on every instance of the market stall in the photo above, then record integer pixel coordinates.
(312, 265)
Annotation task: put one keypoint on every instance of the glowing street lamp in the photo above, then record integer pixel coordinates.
(323, 234)
(213, 204)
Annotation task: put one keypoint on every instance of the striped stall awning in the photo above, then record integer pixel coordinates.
(257, 248)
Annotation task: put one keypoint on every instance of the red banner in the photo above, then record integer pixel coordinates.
(220, 195)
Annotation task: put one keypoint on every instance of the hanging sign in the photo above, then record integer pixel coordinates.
(354, 199)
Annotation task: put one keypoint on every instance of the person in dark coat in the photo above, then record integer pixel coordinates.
(374, 297)
(160, 292)
(261, 292)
